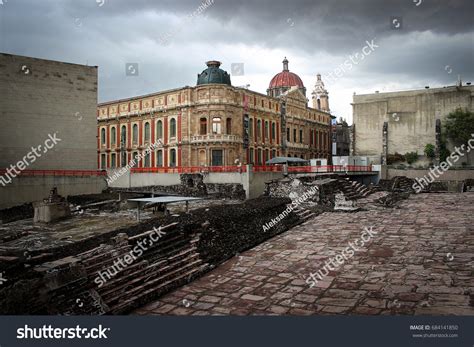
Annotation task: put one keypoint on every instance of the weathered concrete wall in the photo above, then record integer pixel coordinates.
(411, 117)
(256, 183)
(28, 188)
(127, 180)
(41, 97)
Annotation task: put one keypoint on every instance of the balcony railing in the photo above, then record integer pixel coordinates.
(215, 138)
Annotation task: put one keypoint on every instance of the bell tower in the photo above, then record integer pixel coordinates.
(320, 95)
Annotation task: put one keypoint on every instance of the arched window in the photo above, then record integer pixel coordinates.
(147, 131)
(228, 126)
(216, 125)
(113, 136)
(123, 136)
(159, 129)
(102, 136)
(251, 127)
(203, 126)
(135, 134)
(173, 127)
(173, 157)
(159, 158)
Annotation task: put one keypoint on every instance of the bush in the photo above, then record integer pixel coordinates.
(411, 157)
(430, 151)
(395, 158)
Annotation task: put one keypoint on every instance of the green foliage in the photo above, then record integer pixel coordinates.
(430, 151)
(394, 158)
(459, 126)
(411, 157)
(443, 151)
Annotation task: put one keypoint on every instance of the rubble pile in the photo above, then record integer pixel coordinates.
(193, 185)
(65, 280)
(292, 188)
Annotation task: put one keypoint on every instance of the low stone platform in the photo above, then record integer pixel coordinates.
(420, 261)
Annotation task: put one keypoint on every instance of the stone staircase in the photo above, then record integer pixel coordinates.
(353, 190)
(98, 288)
(304, 214)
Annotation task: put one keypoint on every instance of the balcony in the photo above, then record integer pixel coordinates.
(216, 138)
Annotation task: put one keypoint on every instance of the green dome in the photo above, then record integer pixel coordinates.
(213, 74)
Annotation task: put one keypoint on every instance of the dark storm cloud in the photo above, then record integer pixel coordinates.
(433, 45)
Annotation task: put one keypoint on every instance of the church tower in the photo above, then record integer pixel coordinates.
(320, 95)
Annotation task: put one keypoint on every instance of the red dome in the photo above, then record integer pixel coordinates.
(286, 79)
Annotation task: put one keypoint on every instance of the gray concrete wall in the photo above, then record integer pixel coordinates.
(127, 180)
(450, 175)
(41, 97)
(24, 189)
(411, 118)
(253, 182)
(256, 185)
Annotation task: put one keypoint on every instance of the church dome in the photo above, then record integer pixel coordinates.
(284, 80)
(213, 74)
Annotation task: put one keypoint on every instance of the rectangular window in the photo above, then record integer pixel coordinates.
(228, 126)
(288, 134)
(251, 158)
(113, 161)
(294, 135)
(159, 158)
(203, 126)
(103, 161)
(217, 157)
(301, 136)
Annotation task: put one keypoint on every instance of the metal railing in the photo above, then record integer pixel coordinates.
(58, 172)
(255, 168)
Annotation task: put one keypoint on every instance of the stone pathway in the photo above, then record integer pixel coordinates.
(419, 262)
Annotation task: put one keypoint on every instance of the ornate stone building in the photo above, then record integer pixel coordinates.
(214, 124)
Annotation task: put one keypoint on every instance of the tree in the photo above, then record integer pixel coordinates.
(459, 126)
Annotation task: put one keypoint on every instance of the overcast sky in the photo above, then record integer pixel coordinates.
(420, 42)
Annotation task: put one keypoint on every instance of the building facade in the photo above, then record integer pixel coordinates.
(212, 124)
(341, 139)
(402, 122)
(49, 128)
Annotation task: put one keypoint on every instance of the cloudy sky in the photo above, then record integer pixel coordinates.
(415, 42)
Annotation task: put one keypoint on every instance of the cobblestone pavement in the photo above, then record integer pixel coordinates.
(419, 262)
